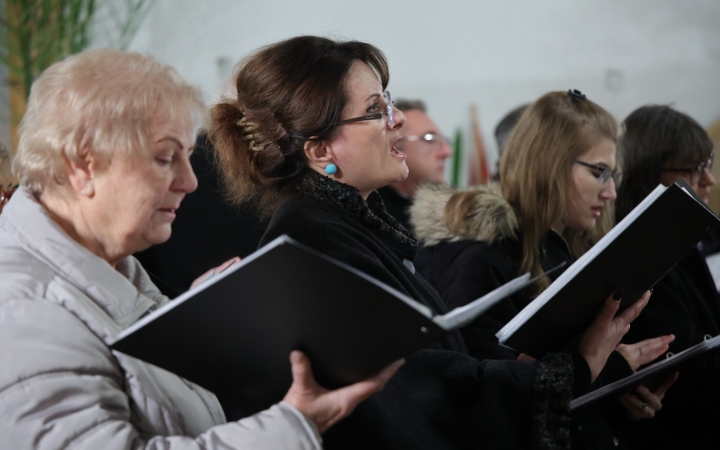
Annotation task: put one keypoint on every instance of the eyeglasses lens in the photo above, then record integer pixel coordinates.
(390, 109)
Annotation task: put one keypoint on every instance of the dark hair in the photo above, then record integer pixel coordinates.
(504, 129)
(288, 92)
(652, 137)
(410, 105)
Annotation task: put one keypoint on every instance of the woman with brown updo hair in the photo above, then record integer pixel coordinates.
(310, 137)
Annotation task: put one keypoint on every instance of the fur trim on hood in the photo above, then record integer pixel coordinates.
(440, 213)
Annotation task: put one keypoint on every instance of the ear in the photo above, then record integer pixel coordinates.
(319, 154)
(81, 174)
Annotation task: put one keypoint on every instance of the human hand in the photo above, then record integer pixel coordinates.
(322, 406)
(604, 334)
(645, 351)
(643, 404)
(527, 359)
(215, 271)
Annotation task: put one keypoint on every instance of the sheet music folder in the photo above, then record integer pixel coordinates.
(633, 256)
(233, 335)
(661, 368)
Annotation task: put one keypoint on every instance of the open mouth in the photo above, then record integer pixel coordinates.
(394, 151)
(596, 210)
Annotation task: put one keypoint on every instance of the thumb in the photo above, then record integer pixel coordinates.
(302, 371)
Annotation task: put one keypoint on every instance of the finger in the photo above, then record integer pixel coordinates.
(630, 407)
(642, 409)
(648, 397)
(350, 396)
(609, 308)
(522, 357)
(367, 387)
(201, 278)
(626, 317)
(650, 349)
(662, 389)
(302, 374)
(227, 264)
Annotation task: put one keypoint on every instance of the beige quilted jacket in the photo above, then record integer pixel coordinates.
(60, 384)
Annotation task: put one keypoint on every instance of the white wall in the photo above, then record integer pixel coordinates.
(498, 54)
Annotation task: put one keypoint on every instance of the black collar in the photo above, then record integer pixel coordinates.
(371, 213)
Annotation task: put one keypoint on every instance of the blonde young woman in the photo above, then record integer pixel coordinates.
(557, 185)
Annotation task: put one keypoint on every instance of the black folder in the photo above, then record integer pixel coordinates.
(652, 372)
(633, 256)
(233, 335)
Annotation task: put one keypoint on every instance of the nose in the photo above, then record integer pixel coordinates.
(608, 190)
(445, 149)
(399, 120)
(707, 178)
(185, 179)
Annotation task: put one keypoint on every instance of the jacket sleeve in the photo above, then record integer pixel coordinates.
(471, 276)
(61, 387)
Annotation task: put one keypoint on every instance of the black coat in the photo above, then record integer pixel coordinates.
(685, 303)
(466, 269)
(463, 271)
(397, 205)
(441, 398)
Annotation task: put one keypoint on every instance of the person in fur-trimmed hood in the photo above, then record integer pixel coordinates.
(555, 200)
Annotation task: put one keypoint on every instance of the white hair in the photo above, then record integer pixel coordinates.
(97, 102)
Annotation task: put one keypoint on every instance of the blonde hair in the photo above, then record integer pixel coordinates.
(5, 166)
(536, 166)
(99, 101)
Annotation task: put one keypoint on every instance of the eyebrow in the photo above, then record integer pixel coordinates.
(373, 96)
(170, 138)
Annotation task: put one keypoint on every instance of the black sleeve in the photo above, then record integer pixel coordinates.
(441, 399)
(472, 275)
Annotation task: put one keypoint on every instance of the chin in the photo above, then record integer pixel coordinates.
(159, 236)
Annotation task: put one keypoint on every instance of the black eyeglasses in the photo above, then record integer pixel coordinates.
(389, 112)
(428, 138)
(603, 174)
(695, 172)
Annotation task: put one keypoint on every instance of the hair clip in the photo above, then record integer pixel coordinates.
(577, 94)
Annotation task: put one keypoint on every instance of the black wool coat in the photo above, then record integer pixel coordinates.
(685, 303)
(441, 398)
(465, 268)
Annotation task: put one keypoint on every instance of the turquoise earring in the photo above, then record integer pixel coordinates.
(330, 169)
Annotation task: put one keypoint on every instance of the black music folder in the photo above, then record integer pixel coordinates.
(633, 256)
(233, 335)
(653, 373)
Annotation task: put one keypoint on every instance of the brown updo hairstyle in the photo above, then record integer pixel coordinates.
(536, 166)
(288, 93)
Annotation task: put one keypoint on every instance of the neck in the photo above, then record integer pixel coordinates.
(558, 226)
(70, 216)
(406, 188)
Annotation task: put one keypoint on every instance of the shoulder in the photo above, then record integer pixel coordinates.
(23, 275)
(440, 213)
(41, 338)
(315, 224)
(478, 257)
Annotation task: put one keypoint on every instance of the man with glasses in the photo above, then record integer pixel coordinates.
(426, 151)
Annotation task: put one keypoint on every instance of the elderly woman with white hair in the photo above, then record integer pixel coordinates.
(103, 164)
